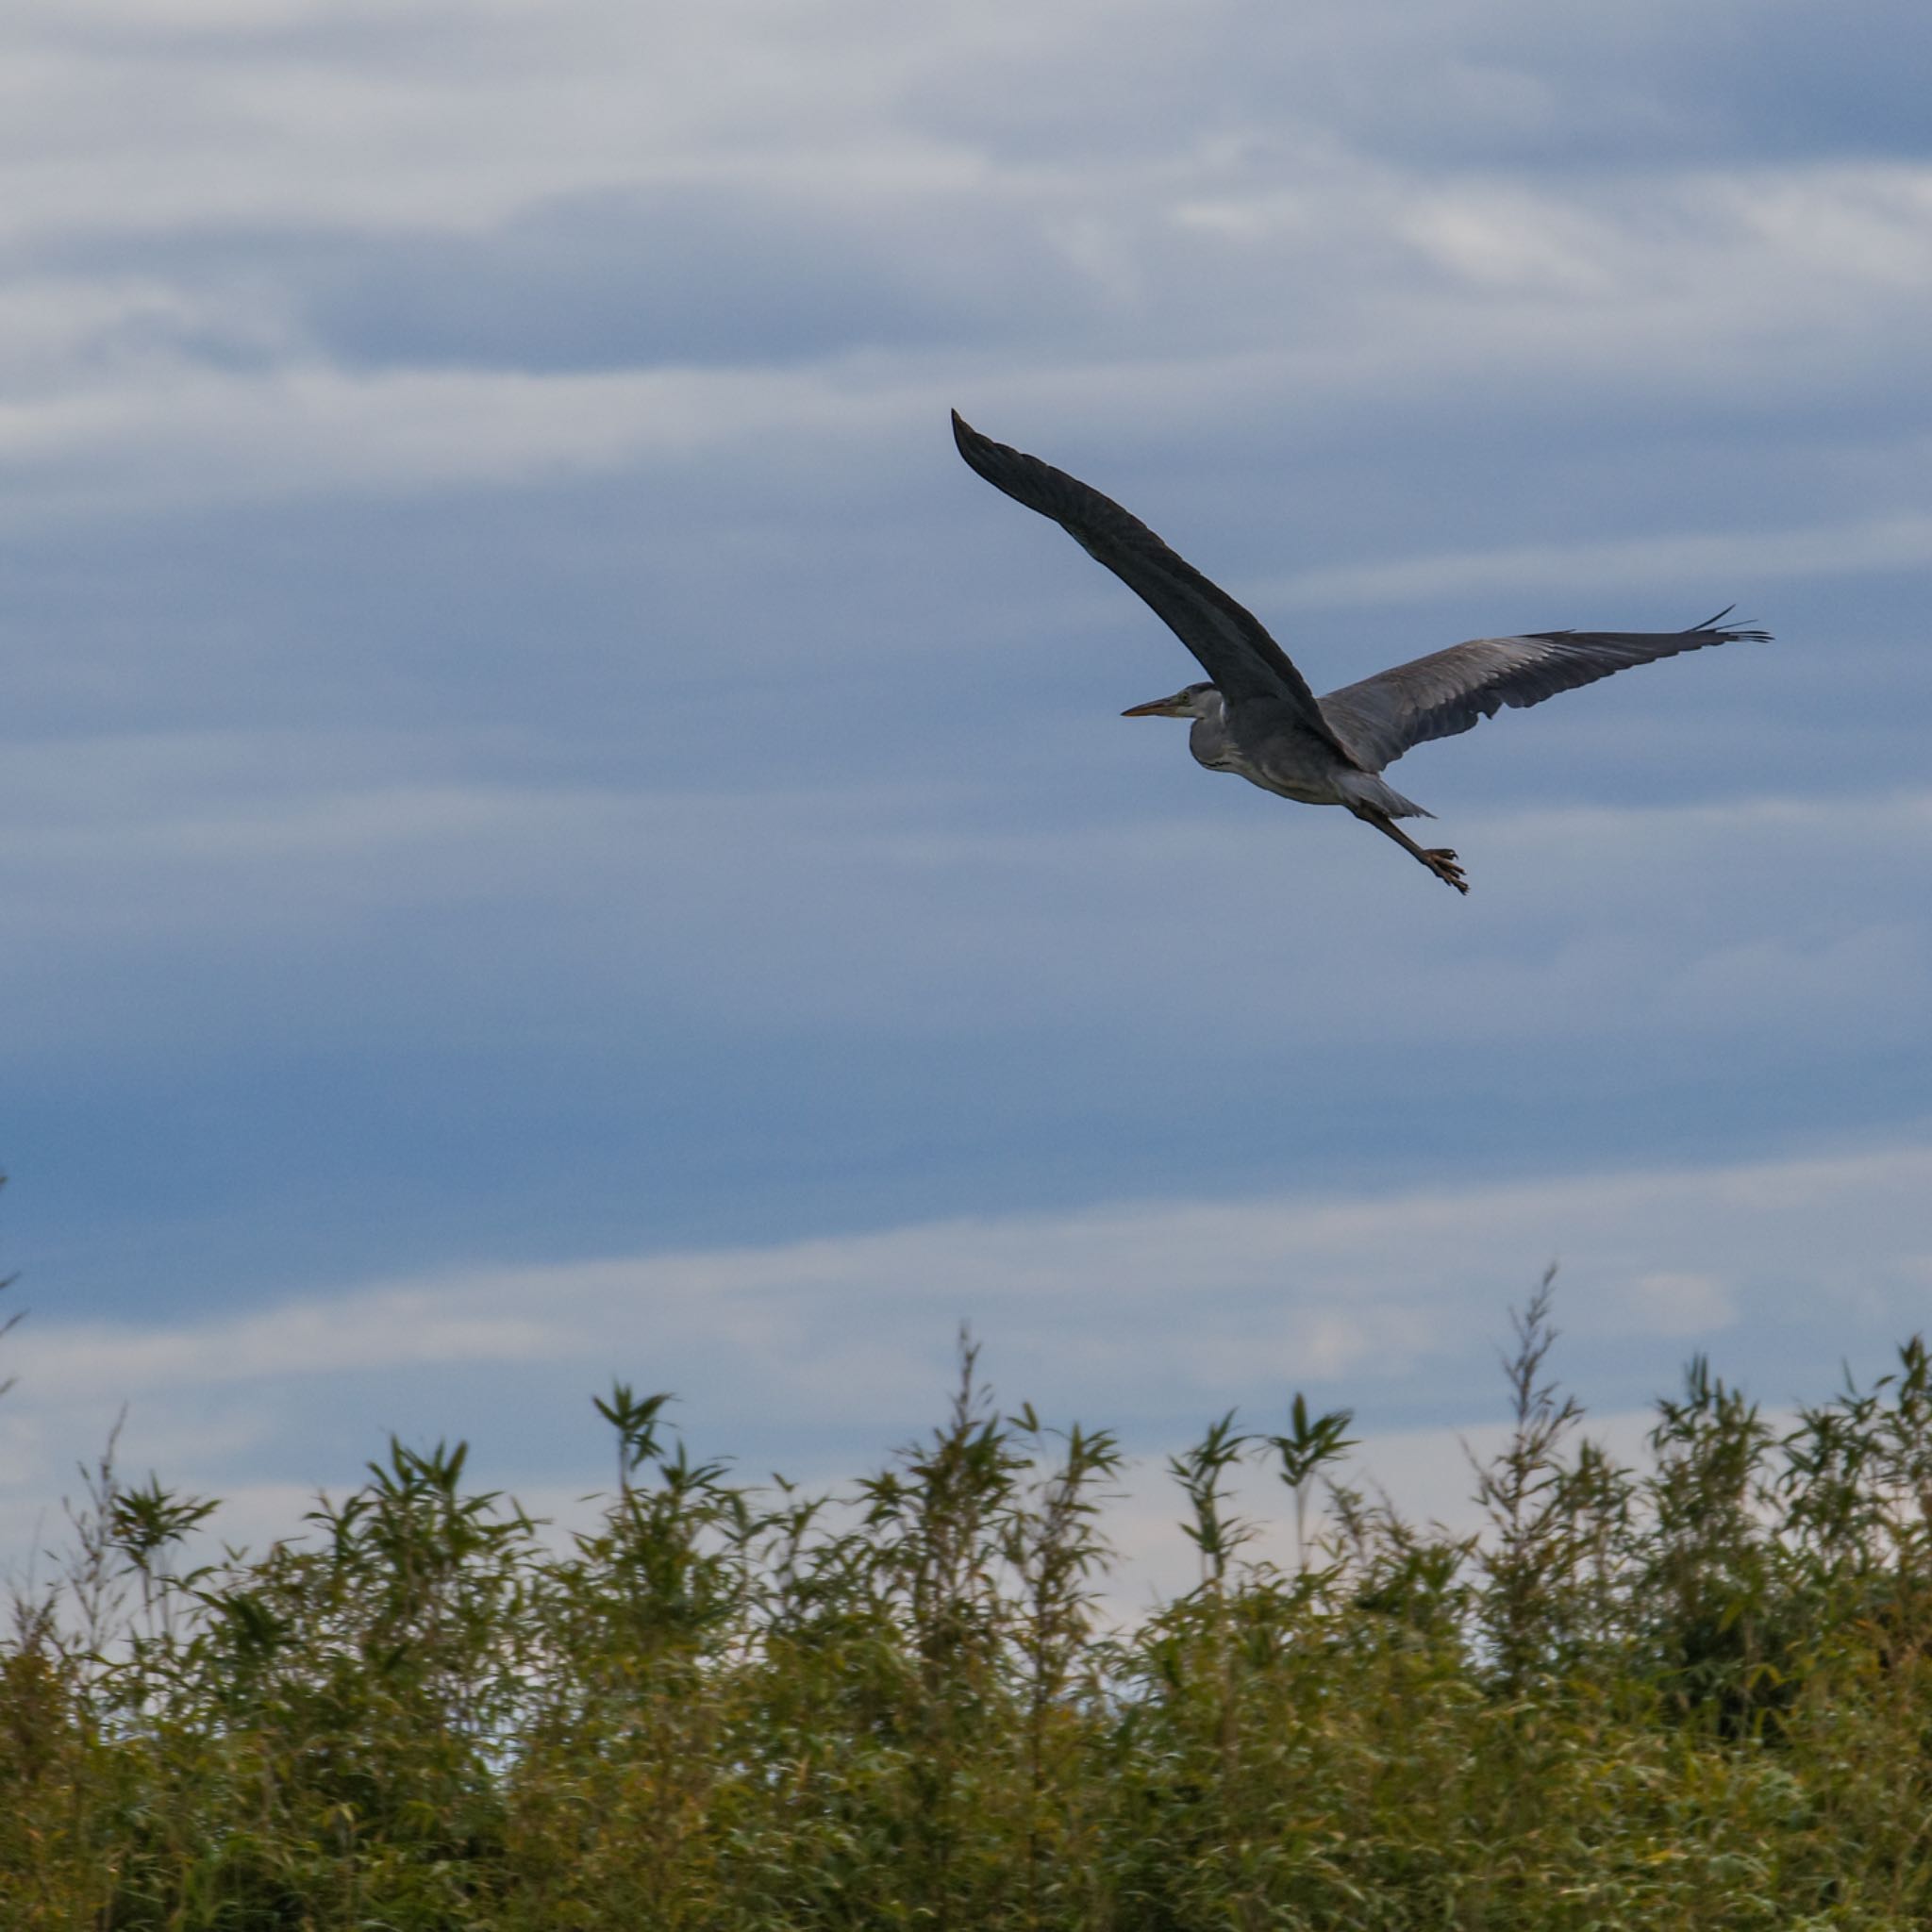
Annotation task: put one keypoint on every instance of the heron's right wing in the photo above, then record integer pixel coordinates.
(1450, 690)
(1234, 649)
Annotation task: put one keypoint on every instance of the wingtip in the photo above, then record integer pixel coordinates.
(1749, 632)
(981, 453)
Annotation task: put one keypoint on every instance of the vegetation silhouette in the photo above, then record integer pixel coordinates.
(1694, 1692)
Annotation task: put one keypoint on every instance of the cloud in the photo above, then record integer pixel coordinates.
(1146, 1317)
(1627, 922)
(393, 251)
(522, 738)
(1669, 1303)
(1379, 277)
(697, 276)
(386, 1329)
(1182, 1298)
(310, 428)
(1699, 558)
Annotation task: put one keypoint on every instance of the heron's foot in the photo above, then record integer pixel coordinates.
(1438, 860)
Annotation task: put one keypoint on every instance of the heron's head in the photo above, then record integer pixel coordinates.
(1197, 701)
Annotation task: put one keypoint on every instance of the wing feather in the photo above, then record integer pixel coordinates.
(1450, 690)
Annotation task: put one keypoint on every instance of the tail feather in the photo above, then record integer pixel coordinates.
(1374, 792)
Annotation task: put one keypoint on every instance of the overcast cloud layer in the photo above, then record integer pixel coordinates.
(524, 744)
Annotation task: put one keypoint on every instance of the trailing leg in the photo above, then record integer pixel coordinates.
(1438, 861)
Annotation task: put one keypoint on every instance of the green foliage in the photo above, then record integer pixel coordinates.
(1697, 1692)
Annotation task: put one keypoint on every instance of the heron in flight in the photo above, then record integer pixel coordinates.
(1257, 716)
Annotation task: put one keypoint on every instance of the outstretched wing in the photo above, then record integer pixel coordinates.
(1450, 690)
(1234, 649)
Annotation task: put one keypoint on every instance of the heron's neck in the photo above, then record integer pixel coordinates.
(1207, 734)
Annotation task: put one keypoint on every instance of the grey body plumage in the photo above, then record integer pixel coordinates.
(1256, 715)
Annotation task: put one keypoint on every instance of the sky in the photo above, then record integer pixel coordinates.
(551, 830)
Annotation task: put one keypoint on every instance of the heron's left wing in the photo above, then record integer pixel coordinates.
(1233, 647)
(1450, 690)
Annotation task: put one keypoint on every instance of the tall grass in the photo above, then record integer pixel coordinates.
(1691, 1693)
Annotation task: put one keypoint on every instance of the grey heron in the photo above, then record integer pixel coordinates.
(1257, 716)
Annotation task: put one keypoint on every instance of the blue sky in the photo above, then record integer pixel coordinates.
(549, 828)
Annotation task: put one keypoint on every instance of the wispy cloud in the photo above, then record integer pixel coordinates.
(522, 739)
(1145, 1317)
(1167, 1296)
(1602, 921)
(1696, 558)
